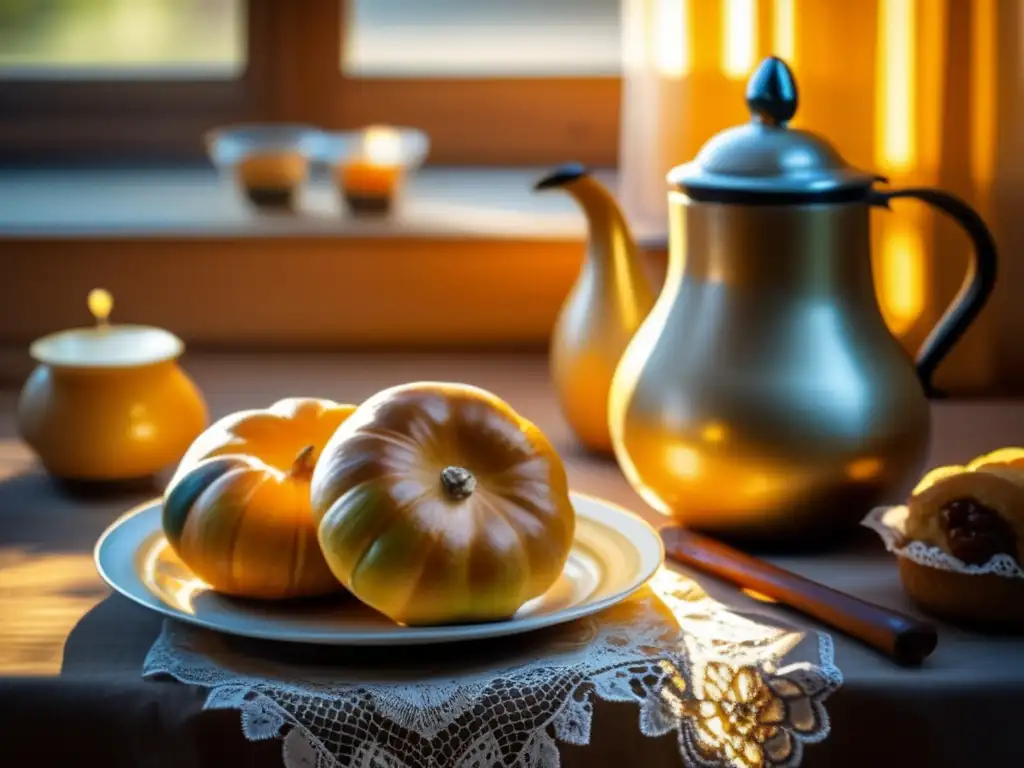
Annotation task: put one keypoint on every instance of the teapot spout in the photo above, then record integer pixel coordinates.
(605, 219)
(609, 301)
(561, 176)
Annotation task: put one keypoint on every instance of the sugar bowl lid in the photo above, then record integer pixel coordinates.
(767, 161)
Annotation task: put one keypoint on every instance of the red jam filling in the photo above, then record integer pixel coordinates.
(975, 533)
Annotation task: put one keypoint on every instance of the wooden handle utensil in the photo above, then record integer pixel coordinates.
(904, 639)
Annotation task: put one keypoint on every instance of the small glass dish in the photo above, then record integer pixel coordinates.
(370, 166)
(268, 162)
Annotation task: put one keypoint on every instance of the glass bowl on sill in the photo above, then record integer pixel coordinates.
(269, 163)
(369, 167)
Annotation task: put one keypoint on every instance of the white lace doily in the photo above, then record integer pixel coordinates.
(738, 689)
(889, 524)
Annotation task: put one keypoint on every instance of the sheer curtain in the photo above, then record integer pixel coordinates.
(926, 92)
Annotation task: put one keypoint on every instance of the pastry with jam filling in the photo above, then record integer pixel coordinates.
(974, 513)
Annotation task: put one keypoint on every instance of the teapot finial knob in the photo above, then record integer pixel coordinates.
(771, 92)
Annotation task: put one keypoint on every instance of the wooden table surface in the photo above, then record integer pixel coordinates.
(48, 582)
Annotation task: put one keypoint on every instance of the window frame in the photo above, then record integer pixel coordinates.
(293, 74)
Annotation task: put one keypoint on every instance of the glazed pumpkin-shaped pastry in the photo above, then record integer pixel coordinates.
(972, 514)
(1013, 457)
(438, 504)
(237, 510)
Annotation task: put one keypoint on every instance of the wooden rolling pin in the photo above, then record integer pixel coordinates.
(904, 639)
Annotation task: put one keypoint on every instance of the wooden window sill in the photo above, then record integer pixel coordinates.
(472, 259)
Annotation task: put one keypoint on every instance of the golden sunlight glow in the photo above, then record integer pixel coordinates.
(678, 586)
(673, 41)
(1009, 455)
(684, 461)
(636, 48)
(983, 91)
(143, 430)
(901, 279)
(931, 89)
(764, 487)
(867, 468)
(185, 594)
(784, 30)
(759, 596)
(901, 266)
(44, 596)
(896, 518)
(631, 312)
(736, 715)
(676, 243)
(895, 83)
(933, 476)
(171, 579)
(739, 42)
(382, 146)
(713, 432)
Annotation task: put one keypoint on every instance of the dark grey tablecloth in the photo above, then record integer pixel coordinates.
(92, 707)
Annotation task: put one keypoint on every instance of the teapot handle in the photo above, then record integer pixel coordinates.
(977, 285)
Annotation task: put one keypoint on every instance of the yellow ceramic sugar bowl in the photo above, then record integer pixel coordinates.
(109, 402)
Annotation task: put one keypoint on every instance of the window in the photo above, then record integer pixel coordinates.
(121, 79)
(121, 38)
(482, 38)
(492, 82)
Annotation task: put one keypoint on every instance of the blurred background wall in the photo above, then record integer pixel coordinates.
(926, 92)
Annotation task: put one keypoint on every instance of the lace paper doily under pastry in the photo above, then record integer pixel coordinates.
(737, 689)
(889, 523)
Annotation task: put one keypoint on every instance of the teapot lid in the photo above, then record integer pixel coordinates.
(766, 161)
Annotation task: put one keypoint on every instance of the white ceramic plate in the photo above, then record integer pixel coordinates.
(614, 553)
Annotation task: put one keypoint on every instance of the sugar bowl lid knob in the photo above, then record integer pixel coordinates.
(100, 302)
(771, 92)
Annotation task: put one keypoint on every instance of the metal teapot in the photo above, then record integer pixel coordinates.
(764, 398)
